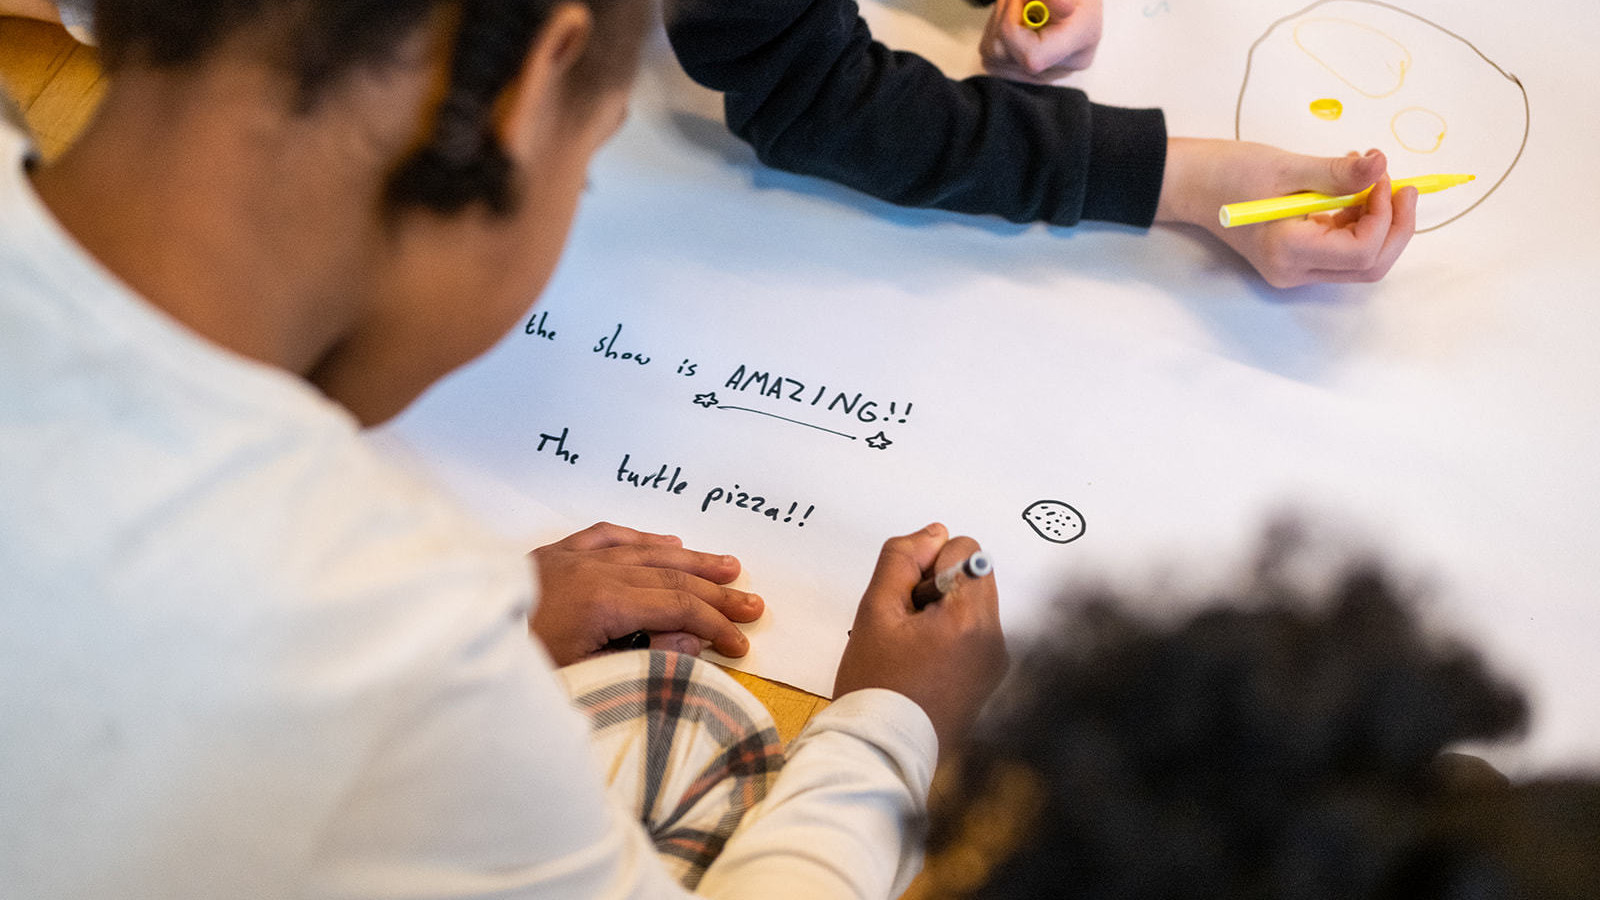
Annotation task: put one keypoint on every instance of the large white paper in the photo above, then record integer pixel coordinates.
(783, 369)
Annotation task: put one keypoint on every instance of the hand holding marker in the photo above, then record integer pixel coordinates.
(1304, 203)
(934, 588)
(929, 590)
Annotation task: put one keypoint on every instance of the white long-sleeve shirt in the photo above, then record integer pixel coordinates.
(240, 655)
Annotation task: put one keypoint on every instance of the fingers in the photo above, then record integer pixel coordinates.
(1321, 243)
(1079, 60)
(1066, 43)
(980, 591)
(906, 561)
(616, 545)
(1357, 244)
(1375, 229)
(604, 534)
(1358, 172)
(740, 606)
(1333, 175)
(717, 568)
(667, 613)
(1363, 243)
(667, 599)
(608, 581)
(954, 553)
(678, 642)
(901, 564)
(946, 658)
(1402, 226)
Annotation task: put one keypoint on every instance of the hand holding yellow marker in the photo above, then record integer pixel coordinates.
(1250, 212)
(1035, 14)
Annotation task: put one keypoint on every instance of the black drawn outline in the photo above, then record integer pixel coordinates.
(1083, 523)
(1527, 112)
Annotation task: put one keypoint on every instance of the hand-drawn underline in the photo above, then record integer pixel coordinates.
(879, 441)
(762, 412)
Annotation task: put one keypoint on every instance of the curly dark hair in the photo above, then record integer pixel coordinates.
(1272, 745)
(316, 42)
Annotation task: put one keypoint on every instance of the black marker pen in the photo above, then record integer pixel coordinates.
(935, 587)
(638, 640)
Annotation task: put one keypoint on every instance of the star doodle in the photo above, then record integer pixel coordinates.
(879, 441)
(708, 399)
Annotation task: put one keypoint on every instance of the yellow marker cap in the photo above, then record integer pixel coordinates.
(1035, 14)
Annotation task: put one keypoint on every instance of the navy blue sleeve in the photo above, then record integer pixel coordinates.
(806, 85)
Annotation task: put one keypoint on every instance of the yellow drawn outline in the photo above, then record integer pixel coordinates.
(1527, 114)
(1438, 142)
(1404, 66)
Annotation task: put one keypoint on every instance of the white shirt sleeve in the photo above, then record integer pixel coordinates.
(488, 790)
(836, 823)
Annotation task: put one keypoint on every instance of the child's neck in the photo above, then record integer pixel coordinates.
(219, 210)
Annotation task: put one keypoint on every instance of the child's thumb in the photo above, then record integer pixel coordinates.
(1349, 174)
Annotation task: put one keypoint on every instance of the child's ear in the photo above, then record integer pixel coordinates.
(532, 104)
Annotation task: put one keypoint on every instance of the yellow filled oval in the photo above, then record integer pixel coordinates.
(1327, 108)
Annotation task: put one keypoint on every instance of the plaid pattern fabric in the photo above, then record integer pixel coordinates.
(683, 745)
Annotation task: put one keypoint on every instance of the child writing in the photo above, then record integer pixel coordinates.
(244, 656)
(806, 85)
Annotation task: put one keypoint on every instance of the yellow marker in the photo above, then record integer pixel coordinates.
(1252, 211)
(1035, 14)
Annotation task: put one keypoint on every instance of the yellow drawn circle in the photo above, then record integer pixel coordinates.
(1327, 108)
(1418, 129)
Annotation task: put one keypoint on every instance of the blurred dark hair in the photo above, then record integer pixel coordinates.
(1272, 745)
(317, 42)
